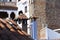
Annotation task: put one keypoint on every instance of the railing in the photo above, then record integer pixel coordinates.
(7, 4)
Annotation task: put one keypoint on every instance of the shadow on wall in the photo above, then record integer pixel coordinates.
(9, 30)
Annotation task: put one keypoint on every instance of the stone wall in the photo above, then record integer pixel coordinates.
(48, 12)
(53, 13)
(39, 11)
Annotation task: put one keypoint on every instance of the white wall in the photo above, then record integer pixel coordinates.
(21, 6)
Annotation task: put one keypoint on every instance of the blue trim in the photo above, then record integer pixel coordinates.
(34, 30)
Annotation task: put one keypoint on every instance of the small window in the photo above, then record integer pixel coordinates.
(10, 0)
(12, 15)
(20, 12)
(25, 9)
(19, 0)
(3, 15)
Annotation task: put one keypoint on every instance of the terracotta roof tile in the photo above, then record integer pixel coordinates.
(22, 16)
(11, 32)
(33, 17)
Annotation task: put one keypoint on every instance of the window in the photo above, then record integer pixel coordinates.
(3, 15)
(12, 15)
(19, 0)
(10, 0)
(25, 9)
(20, 12)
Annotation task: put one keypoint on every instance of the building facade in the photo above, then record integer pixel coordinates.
(24, 7)
(8, 8)
(46, 11)
(27, 7)
(17, 10)
(48, 15)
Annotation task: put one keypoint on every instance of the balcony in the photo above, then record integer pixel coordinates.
(8, 5)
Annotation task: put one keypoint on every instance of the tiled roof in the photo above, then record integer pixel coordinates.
(9, 30)
(22, 16)
(33, 17)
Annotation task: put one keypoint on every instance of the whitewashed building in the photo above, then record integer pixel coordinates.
(23, 5)
(27, 7)
(17, 8)
(13, 8)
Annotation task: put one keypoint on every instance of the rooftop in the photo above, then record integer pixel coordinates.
(11, 31)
